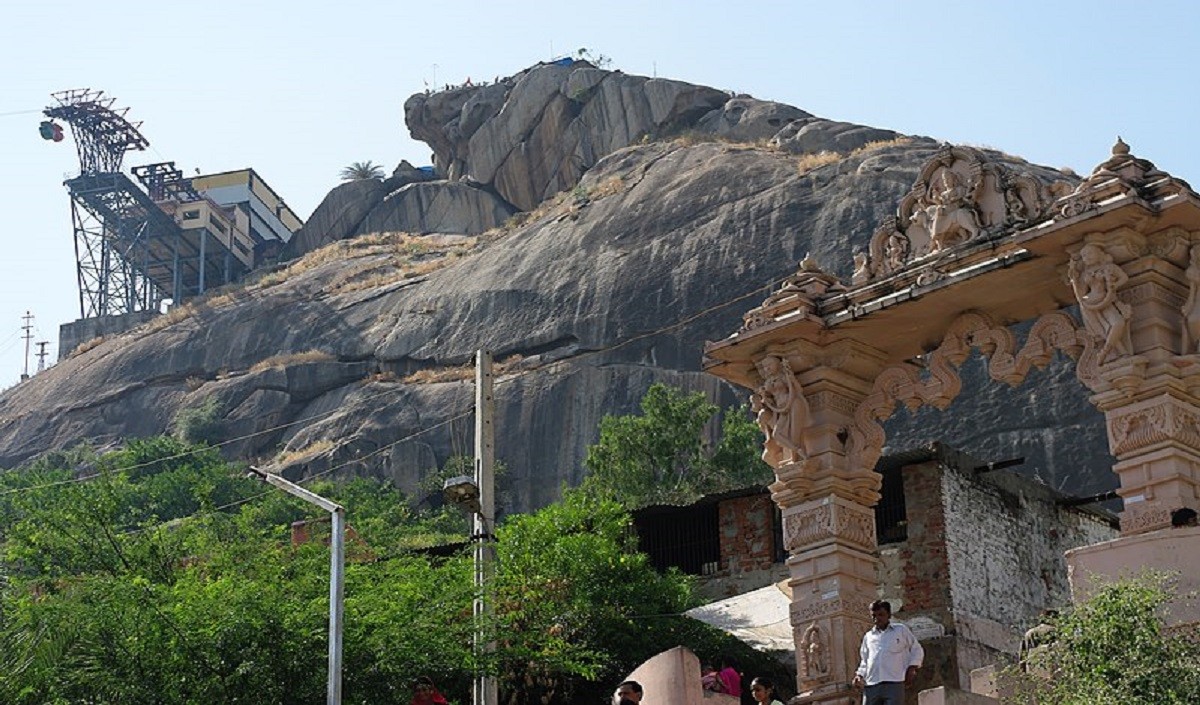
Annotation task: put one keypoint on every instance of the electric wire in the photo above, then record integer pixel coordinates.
(549, 367)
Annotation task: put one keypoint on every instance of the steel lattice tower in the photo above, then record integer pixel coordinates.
(112, 217)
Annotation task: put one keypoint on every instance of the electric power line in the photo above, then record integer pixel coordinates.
(504, 380)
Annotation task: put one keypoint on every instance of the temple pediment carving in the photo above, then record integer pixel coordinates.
(961, 196)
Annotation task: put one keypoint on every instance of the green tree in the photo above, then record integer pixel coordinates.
(160, 574)
(578, 607)
(362, 171)
(158, 580)
(1113, 649)
(662, 456)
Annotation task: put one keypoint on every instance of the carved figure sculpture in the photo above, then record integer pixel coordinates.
(1095, 278)
(896, 251)
(1191, 307)
(815, 663)
(782, 412)
(952, 219)
(1014, 206)
(862, 268)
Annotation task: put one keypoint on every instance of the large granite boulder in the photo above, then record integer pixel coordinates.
(748, 119)
(633, 251)
(337, 217)
(528, 137)
(437, 207)
(352, 359)
(536, 133)
(814, 135)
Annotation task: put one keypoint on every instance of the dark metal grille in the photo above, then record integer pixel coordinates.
(891, 517)
(687, 538)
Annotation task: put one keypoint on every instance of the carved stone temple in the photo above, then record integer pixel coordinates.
(1108, 274)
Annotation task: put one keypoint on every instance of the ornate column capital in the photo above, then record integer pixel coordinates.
(805, 399)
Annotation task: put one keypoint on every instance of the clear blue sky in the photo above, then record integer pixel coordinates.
(299, 89)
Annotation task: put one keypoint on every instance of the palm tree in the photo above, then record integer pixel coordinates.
(360, 171)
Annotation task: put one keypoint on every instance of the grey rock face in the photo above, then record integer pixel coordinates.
(436, 207)
(337, 217)
(601, 295)
(749, 119)
(807, 136)
(535, 134)
(348, 358)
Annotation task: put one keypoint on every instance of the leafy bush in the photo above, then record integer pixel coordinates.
(1114, 649)
(160, 574)
(200, 424)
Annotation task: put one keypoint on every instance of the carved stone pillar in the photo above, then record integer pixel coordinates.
(828, 520)
(833, 564)
(1148, 392)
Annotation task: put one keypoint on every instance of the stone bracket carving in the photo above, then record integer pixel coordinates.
(827, 520)
(906, 384)
(1161, 420)
(1096, 280)
(782, 412)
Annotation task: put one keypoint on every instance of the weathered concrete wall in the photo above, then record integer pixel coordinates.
(1173, 551)
(71, 335)
(982, 559)
(1005, 540)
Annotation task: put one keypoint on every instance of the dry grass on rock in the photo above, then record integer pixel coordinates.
(287, 359)
(312, 450)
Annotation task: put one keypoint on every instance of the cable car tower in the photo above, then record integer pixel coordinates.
(169, 237)
(112, 217)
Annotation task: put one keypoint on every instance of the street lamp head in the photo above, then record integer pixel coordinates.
(462, 492)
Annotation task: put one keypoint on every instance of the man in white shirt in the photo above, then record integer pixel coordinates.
(889, 658)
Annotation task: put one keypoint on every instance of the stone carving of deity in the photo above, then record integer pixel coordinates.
(896, 251)
(1095, 278)
(952, 219)
(862, 268)
(815, 663)
(1191, 307)
(782, 412)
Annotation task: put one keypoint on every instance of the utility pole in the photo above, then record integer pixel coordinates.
(28, 328)
(484, 524)
(41, 354)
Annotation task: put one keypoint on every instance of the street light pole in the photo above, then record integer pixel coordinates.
(337, 576)
(484, 523)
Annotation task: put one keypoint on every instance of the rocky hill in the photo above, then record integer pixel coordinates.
(589, 227)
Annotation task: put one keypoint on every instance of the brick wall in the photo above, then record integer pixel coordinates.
(747, 528)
